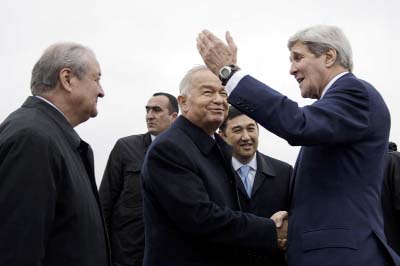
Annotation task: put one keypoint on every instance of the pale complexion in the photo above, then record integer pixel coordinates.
(77, 97)
(158, 116)
(311, 72)
(205, 104)
(242, 133)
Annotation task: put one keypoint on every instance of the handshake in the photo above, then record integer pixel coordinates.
(281, 221)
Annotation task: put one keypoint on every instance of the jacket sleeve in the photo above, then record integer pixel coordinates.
(112, 183)
(170, 177)
(29, 173)
(340, 117)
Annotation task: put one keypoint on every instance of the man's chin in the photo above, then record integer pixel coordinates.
(94, 114)
(151, 131)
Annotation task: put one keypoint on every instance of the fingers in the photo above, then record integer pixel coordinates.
(282, 244)
(214, 52)
(202, 43)
(281, 221)
(278, 218)
(232, 46)
(230, 42)
(206, 40)
(210, 36)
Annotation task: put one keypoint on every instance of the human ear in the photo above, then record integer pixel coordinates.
(330, 57)
(182, 100)
(65, 76)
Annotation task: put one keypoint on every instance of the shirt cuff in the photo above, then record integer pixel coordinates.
(234, 81)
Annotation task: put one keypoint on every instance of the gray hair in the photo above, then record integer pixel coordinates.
(56, 57)
(186, 83)
(321, 38)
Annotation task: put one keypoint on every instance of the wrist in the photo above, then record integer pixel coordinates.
(226, 72)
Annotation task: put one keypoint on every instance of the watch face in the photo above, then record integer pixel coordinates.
(225, 72)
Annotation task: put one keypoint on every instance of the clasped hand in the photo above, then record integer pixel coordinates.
(281, 221)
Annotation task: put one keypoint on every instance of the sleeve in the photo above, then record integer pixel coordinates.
(112, 183)
(170, 177)
(340, 117)
(28, 178)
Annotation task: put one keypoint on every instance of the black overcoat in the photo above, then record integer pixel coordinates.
(50, 210)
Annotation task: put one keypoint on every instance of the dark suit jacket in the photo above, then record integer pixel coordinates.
(391, 200)
(51, 213)
(189, 196)
(270, 194)
(335, 212)
(121, 198)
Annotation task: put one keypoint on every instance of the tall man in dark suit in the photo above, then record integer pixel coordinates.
(264, 187)
(335, 214)
(50, 210)
(121, 191)
(391, 197)
(189, 193)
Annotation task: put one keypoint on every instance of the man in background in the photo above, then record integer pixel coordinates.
(50, 209)
(391, 197)
(262, 181)
(120, 189)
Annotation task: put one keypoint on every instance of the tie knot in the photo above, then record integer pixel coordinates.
(244, 170)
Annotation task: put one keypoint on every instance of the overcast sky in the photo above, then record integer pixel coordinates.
(147, 46)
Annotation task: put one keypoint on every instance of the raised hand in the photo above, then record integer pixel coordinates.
(215, 52)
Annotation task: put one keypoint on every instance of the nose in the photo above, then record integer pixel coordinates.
(245, 135)
(150, 114)
(218, 98)
(101, 92)
(293, 68)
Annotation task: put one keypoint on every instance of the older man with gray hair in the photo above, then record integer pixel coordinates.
(191, 210)
(335, 215)
(50, 208)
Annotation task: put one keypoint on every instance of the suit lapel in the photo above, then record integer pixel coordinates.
(293, 177)
(264, 170)
(258, 181)
(146, 142)
(240, 185)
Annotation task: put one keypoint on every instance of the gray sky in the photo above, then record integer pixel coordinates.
(147, 46)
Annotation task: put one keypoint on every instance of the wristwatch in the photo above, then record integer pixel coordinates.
(226, 72)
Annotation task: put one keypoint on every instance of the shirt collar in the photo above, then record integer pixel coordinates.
(331, 83)
(52, 104)
(253, 163)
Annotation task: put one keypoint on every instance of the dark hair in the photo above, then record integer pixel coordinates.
(232, 113)
(173, 102)
(392, 146)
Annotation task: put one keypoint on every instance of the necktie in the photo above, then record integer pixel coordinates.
(244, 174)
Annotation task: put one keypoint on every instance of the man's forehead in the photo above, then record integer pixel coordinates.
(299, 48)
(157, 101)
(241, 121)
(93, 66)
(204, 77)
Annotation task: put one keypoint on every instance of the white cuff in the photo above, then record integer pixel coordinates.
(234, 81)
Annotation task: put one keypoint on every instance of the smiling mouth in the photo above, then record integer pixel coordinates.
(246, 145)
(217, 110)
